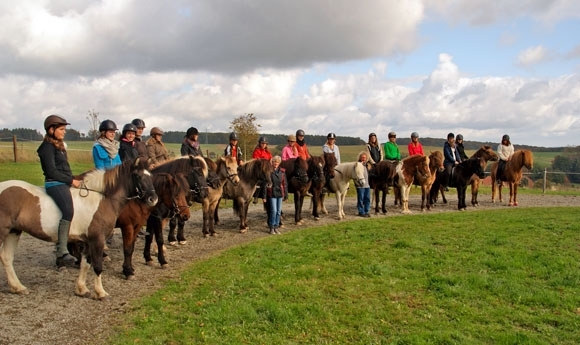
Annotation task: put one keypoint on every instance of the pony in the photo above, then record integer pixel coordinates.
(512, 174)
(435, 165)
(299, 183)
(381, 176)
(103, 194)
(412, 169)
(224, 169)
(486, 153)
(196, 171)
(251, 173)
(174, 199)
(344, 172)
(321, 171)
(461, 177)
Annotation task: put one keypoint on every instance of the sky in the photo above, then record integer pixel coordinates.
(476, 67)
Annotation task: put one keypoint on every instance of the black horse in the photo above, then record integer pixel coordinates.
(298, 183)
(381, 177)
(460, 178)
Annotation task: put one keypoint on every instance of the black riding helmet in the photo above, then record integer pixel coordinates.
(459, 137)
(262, 140)
(331, 136)
(138, 123)
(129, 128)
(234, 136)
(299, 132)
(107, 125)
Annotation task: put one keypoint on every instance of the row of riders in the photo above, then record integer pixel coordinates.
(122, 193)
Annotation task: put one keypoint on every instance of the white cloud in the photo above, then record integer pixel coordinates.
(532, 56)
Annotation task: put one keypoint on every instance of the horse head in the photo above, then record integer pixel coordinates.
(316, 169)
(528, 159)
(174, 194)
(301, 170)
(141, 181)
(486, 153)
(423, 167)
(329, 163)
(227, 167)
(359, 173)
(436, 161)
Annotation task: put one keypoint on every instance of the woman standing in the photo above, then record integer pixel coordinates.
(275, 194)
(106, 149)
(363, 189)
(58, 179)
(331, 147)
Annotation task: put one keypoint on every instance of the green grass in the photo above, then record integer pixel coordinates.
(455, 278)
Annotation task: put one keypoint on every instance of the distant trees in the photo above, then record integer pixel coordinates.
(569, 162)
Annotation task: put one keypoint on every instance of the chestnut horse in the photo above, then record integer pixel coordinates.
(412, 169)
(435, 165)
(224, 169)
(27, 208)
(381, 177)
(251, 173)
(299, 183)
(512, 174)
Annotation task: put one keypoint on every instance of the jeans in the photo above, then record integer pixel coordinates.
(363, 200)
(275, 210)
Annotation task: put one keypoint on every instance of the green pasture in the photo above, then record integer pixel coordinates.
(452, 278)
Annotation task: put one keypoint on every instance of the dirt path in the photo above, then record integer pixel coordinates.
(52, 314)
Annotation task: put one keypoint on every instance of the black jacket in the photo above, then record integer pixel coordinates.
(128, 150)
(54, 163)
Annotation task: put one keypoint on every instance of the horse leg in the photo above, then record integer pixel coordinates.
(244, 205)
(423, 197)
(405, 199)
(461, 198)
(129, 234)
(297, 208)
(159, 225)
(181, 231)
(148, 240)
(81, 284)
(315, 201)
(171, 239)
(7, 250)
(96, 245)
(474, 191)
(384, 200)
(516, 194)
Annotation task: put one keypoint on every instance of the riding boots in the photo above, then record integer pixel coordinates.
(63, 258)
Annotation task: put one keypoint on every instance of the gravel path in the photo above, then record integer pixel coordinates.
(52, 314)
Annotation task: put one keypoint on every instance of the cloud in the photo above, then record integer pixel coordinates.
(532, 56)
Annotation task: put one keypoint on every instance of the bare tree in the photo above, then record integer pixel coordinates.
(247, 129)
(94, 122)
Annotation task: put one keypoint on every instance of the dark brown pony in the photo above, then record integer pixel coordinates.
(381, 177)
(512, 174)
(174, 199)
(224, 169)
(413, 169)
(251, 173)
(461, 177)
(299, 183)
(486, 153)
(321, 171)
(27, 208)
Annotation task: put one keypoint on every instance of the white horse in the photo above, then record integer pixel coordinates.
(344, 173)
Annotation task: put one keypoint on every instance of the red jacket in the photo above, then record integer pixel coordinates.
(260, 153)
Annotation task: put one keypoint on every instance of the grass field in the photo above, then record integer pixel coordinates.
(396, 280)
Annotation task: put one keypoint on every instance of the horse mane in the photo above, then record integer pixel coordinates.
(384, 168)
(486, 152)
(414, 159)
(521, 158)
(166, 182)
(254, 169)
(181, 164)
(107, 181)
(224, 160)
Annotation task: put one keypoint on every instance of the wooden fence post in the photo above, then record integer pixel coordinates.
(15, 149)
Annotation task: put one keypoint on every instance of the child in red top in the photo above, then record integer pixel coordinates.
(261, 151)
(415, 147)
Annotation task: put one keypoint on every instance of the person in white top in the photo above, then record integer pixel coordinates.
(331, 147)
(505, 150)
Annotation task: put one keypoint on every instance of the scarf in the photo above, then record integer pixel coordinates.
(300, 142)
(110, 146)
(194, 144)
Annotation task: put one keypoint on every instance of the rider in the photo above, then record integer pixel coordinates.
(128, 147)
(504, 150)
(374, 150)
(261, 150)
(415, 147)
(452, 158)
(460, 148)
(233, 149)
(289, 151)
(391, 149)
(139, 143)
(190, 143)
(331, 147)
(106, 149)
(156, 148)
(300, 145)
(58, 179)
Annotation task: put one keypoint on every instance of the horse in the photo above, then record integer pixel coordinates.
(251, 173)
(435, 165)
(381, 176)
(344, 172)
(412, 169)
(196, 171)
(223, 170)
(97, 203)
(299, 183)
(321, 171)
(512, 174)
(486, 153)
(174, 199)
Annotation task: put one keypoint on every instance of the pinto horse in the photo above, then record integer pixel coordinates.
(344, 173)
(381, 177)
(27, 208)
(174, 199)
(224, 169)
(413, 169)
(299, 183)
(251, 173)
(512, 174)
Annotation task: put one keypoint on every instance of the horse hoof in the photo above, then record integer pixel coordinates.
(86, 294)
(511, 204)
(515, 204)
(214, 234)
(130, 277)
(173, 243)
(182, 242)
(205, 235)
(104, 298)
(150, 263)
(164, 266)
(243, 231)
(20, 292)
(316, 218)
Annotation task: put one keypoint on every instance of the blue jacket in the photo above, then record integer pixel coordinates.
(448, 154)
(102, 159)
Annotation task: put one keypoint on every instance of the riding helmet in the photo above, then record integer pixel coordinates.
(505, 137)
(129, 128)
(414, 135)
(191, 131)
(262, 140)
(392, 135)
(299, 133)
(450, 136)
(372, 135)
(291, 137)
(459, 137)
(234, 136)
(155, 131)
(54, 120)
(107, 125)
(331, 136)
(138, 123)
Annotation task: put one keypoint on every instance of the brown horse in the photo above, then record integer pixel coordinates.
(381, 177)
(512, 174)
(224, 169)
(412, 169)
(174, 199)
(435, 165)
(27, 208)
(485, 153)
(321, 171)
(251, 173)
(299, 183)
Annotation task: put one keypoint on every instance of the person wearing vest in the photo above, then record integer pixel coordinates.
(233, 149)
